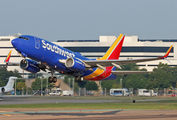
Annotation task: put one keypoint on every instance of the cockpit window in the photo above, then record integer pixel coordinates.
(25, 38)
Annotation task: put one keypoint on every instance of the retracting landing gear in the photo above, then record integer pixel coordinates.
(52, 78)
(79, 79)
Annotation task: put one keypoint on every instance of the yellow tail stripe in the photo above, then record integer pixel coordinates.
(94, 74)
(9, 54)
(169, 50)
(111, 48)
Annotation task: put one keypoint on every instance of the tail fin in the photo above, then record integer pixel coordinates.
(10, 83)
(8, 57)
(114, 51)
(167, 53)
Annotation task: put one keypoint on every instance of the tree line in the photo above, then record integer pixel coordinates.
(163, 76)
(20, 83)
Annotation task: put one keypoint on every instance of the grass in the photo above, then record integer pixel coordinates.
(166, 103)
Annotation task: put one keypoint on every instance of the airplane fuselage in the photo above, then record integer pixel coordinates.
(51, 54)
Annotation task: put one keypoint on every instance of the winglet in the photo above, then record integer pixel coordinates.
(8, 57)
(167, 53)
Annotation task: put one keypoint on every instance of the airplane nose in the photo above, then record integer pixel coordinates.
(15, 42)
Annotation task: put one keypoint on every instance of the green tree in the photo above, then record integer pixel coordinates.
(161, 77)
(91, 85)
(134, 81)
(4, 75)
(131, 66)
(116, 85)
(36, 85)
(21, 85)
(174, 80)
(108, 84)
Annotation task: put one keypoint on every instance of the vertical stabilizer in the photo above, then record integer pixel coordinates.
(8, 57)
(114, 51)
(10, 83)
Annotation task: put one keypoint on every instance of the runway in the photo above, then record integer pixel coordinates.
(31, 114)
(78, 114)
(45, 100)
(34, 100)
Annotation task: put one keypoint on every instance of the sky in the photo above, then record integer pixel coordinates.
(88, 19)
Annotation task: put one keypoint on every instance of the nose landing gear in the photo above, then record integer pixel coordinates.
(79, 79)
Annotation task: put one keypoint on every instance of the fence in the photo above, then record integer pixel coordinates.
(103, 92)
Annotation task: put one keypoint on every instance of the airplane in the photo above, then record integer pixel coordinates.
(44, 55)
(8, 87)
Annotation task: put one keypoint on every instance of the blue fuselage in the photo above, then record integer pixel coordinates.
(47, 53)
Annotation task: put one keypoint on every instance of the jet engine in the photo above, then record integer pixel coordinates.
(29, 65)
(75, 64)
(3, 90)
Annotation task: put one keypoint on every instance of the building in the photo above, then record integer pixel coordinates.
(133, 48)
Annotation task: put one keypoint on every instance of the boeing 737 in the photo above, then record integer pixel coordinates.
(46, 55)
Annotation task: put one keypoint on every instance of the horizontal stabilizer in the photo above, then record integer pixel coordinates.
(128, 72)
(13, 63)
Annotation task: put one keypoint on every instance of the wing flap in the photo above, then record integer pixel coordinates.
(128, 72)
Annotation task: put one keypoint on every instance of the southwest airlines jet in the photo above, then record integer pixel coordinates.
(46, 55)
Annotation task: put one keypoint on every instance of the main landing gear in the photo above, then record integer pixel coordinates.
(52, 78)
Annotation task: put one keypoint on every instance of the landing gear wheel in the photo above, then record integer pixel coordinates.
(50, 80)
(54, 79)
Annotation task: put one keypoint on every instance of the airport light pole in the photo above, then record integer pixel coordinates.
(121, 82)
(22, 90)
(69, 83)
(41, 86)
(105, 91)
(15, 86)
(47, 87)
(73, 84)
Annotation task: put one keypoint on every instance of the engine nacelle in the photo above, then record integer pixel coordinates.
(3, 90)
(29, 65)
(75, 64)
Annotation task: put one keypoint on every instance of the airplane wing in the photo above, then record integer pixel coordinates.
(41, 66)
(104, 63)
(128, 72)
